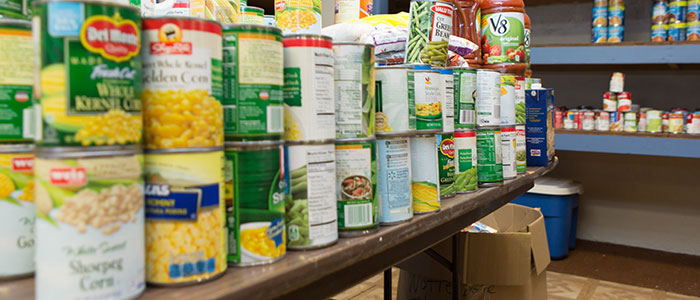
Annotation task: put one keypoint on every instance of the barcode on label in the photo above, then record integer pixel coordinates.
(358, 215)
(275, 119)
(466, 116)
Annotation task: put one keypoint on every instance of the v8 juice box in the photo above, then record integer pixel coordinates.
(539, 132)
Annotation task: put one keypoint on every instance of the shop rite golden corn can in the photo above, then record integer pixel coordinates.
(89, 224)
(182, 83)
(16, 81)
(88, 79)
(16, 211)
(185, 208)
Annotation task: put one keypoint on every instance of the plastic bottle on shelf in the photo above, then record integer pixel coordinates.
(503, 36)
(471, 29)
(528, 39)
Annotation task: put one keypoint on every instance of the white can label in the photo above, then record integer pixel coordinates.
(508, 152)
(425, 176)
(448, 103)
(488, 98)
(394, 179)
(396, 107)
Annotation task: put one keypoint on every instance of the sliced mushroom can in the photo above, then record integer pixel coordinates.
(356, 177)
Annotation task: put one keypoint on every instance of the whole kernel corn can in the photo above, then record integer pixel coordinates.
(16, 211)
(182, 82)
(185, 222)
(253, 67)
(89, 224)
(254, 181)
(88, 74)
(298, 16)
(425, 174)
(16, 81)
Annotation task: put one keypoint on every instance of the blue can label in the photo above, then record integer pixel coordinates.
(394, 179)
(658, 33)
(676, 32)
(616, 34)
(693, 31)
(616, 16)
(600, 16)
(600, 34)
(677, 11)
(659, 12)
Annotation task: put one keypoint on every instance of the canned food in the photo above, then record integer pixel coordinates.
(253, 15)
(309, 103)
(659, 32)
(677, 11)
(520, 149)
(508, 150)
(600, 3)
(616, 15)
(448, 99)
(182, 83)
(311, 208)
(694, 123)
(356, 185)
(465, 98)
(664, 121)
(252, 98)
(425, 180)
(693, 21)
(89, 73)
(446, 164)
(659, 12)
(430, 26)
(558, 119)
(490, 157)
(508, 84)
(270, 20)
(578, 119)
(654, 121)
(616, 121)
(296, 16)
(676, 121)
(16, 80)
(90, 223)
(185, 216)
(624, 102)
(602, 121)
(616, 34)
(354, 90)
(600, 16)
(221, 11)
(599, 34)
(465, 162)
(396, 100)
(693, 31)
(610, 101)
(642, 123)
(429, 93)
(254, 193)
(520, 100)
(488, 98)
(630, 122)
(14, 9)
(17, 211)
(569, 119)
(394, 179)
(346, 10)
(588, 122)
(677, 31)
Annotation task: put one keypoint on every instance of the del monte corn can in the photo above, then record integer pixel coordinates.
(89, 73)
(16, 80)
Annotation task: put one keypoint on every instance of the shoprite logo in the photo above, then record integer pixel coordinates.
(114, 38)
(170, 41)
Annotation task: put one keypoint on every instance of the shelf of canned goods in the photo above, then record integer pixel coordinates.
(616, 54)
(322, 273)
(673, 145)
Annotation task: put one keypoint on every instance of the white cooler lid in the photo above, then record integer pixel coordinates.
(556, 187)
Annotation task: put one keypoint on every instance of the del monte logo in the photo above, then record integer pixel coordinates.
(114, 38)
(447, 148)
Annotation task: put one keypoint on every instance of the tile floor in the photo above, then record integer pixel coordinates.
(559, 286)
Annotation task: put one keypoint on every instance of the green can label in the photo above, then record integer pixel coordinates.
(11, 8)
(446, 164)
(253, 78)
(356, 177)
(89, 74)
(503, 38)
(254, 205)
(465, 162)
(17, 122)
(465, 98)
(490, 158)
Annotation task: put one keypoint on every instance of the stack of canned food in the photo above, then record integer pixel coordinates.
(608, 21)
(675, 20)
(677, 120)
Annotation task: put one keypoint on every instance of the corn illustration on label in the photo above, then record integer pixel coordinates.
(394, 179)
(16, 79)
(465, 98)
(429, 93)
(89, 77)
(253, 78)
(465, 162)
(298, 16)
(396, 100)
(185, 222)
(89, 227)
(255, 204)
(489, 156)
(182, 83)
(356, 185)
(446, 164)
(311, 214)
(425, 182)
(354, 90)
(309, 99)
(16, 214)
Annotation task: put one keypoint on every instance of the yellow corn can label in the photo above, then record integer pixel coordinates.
(17, 213)
(89, 227)
(298, 16)
(185, 224)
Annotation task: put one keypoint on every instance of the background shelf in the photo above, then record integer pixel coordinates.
(682, 145)
(624, 53)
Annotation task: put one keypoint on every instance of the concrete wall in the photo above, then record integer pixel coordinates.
(642, 201)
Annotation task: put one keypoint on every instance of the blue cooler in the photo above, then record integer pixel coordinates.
(558, 200)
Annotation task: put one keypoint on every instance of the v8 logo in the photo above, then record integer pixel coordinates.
(499, 24)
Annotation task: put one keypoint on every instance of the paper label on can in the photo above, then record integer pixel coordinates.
(446, 164)
(428, 100)
(18, 212)
(490, 158)
(465, 162)
(520, 149)
(17, 115)
(356, 185)
(508, 109)
(425, 184)
(448, 114)
(396, 108)
(394, 182)
(465, 98)
(508, 151)
(488, 101)
(354, 91)
(520, 100)
(298, 16)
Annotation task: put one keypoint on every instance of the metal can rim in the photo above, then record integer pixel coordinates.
(397, 67)
(447, 133)
(353, 44)
(425, 135)
(484, 128)
(76, 152)
(355, 140)
(308, 36)
(19, 22)
(389, 135)
(98, 2)
(252, 145)
(253, 8)
(174, 18)
(183, 150)
(316, 142)
(16, 148)
(251, 26)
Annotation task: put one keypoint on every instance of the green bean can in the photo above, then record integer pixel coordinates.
(311, 214)
(12, 8)
(520, 149)
(254, 185)
(354, 90)
(17, 112)
(89, 73)
(489, 156)
(446, 164)
(356, 185)
(253, 70)
(430, 27)
(465, 98)
(465, 162)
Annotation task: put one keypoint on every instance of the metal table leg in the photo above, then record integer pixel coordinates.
(387, 284)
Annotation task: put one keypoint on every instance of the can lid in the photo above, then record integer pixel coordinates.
(317, 142)
(345, 43)
(274, 29)
(254, 144)
(308, 36)
(355, 140)
(17, 22)
(16, 148)
(183, 150)
(80, 152)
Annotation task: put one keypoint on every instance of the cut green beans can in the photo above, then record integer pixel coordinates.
(430, 26)
(465, 162)
(356, 185)
(354, 90)
(465, 98)
(446, 164)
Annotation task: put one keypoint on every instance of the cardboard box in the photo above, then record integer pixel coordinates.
(539, 132)
(507, 265)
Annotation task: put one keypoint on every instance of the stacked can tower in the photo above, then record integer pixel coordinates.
(693, 21)
(659, 21)
(599, 33)
(608, 21)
